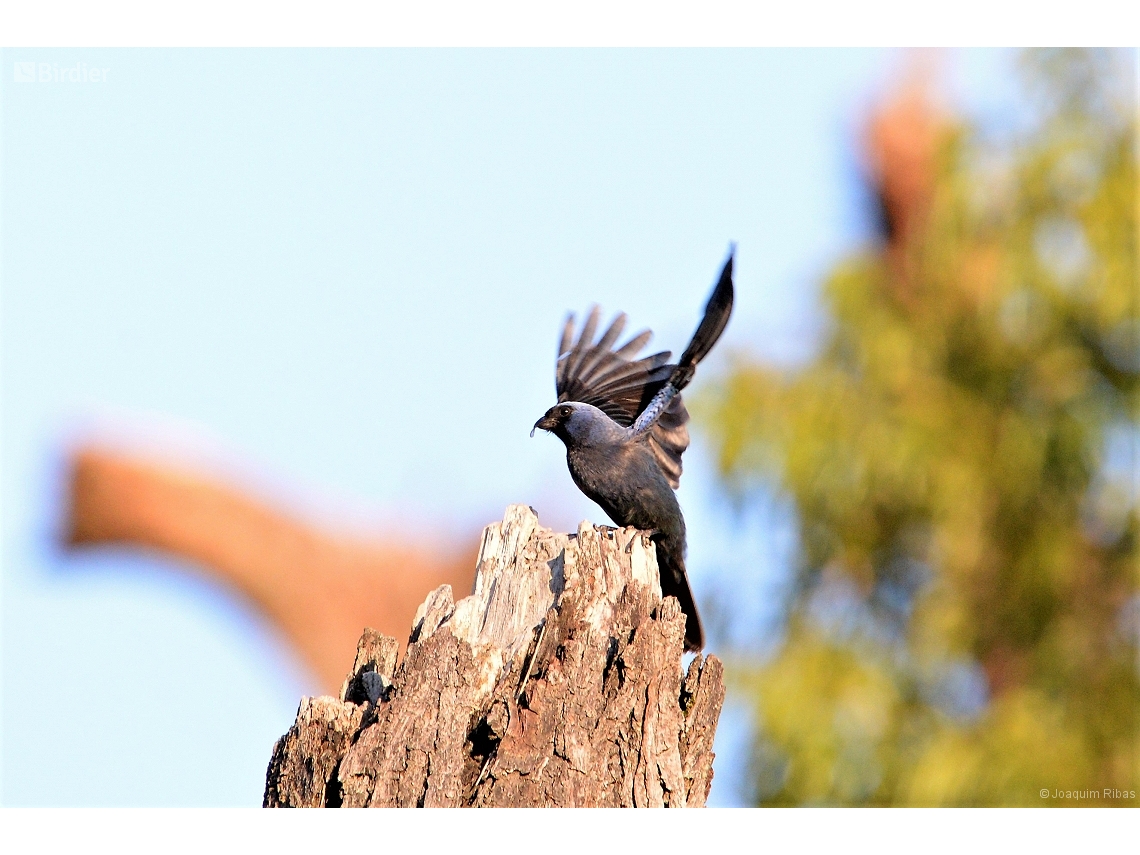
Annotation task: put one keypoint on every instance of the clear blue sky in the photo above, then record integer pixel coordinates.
(349, 268)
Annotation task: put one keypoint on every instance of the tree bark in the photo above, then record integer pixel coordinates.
(558, 682)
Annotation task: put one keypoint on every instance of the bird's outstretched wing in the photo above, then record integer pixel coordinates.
(717, 311)
(621, 386)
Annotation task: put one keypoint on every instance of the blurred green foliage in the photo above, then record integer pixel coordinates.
(961, 456)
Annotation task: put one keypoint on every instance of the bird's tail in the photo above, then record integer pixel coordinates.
(675, 583)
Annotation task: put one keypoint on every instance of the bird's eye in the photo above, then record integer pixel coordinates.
(564, 412)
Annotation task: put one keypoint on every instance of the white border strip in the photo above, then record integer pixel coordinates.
(565, 24)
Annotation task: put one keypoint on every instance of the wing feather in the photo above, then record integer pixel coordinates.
(578, 353)
(631, 347)
(621, 385)
(567, 335)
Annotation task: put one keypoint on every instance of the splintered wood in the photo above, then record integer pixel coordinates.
(557, 683)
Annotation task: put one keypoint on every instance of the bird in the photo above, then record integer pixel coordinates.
(623, 423)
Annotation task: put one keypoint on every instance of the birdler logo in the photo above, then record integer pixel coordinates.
(53, 72)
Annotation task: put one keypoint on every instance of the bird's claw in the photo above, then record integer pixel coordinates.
(645, 535)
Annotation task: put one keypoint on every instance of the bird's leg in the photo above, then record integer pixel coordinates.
(646, 534)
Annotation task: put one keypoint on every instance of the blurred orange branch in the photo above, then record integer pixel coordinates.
(320, 589)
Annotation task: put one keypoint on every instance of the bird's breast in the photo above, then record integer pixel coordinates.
(628, 484)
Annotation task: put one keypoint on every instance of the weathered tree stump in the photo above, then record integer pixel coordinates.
(556, 683)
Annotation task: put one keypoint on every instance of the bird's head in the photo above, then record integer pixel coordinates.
(574, 422)
(556, 421)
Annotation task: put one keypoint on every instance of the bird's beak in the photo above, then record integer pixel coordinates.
(547, 423)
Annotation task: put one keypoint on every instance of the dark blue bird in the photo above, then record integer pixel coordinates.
(624, 427)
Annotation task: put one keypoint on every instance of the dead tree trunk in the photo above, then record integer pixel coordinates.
(556, 683)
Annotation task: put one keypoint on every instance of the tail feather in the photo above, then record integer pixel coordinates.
(675, 583)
